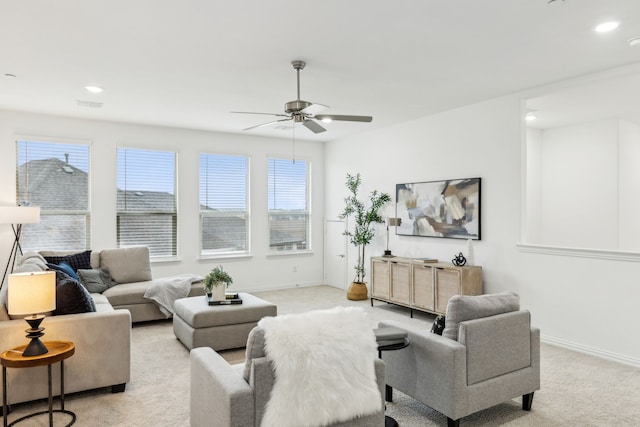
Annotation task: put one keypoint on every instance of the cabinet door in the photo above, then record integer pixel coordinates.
(380, 279)
(423, 287)
(400, 282)
(447, 285)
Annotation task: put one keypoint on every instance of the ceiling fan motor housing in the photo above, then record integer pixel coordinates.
(296, 106)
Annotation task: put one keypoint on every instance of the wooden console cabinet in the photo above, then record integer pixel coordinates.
(421, 286)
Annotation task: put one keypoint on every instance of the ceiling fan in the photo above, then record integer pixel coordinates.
(305, 112)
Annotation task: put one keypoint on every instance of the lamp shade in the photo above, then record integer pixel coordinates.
(19, 214)
(31, 293)
(394, 222)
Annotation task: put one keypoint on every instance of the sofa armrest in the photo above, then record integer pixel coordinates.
(431, 369)
(219, 394)
(102, 356)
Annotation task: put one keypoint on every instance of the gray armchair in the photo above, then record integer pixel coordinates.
(236, 395)
(488, 354)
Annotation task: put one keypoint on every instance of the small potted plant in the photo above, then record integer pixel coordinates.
(216, 282)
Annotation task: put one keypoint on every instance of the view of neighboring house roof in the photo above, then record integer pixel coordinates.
(53, 184)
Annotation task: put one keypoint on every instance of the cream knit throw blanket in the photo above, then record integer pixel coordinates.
(324, 367)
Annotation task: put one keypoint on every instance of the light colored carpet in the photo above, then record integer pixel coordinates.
(577, 390)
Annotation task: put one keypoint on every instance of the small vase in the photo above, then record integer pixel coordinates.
(218, 292)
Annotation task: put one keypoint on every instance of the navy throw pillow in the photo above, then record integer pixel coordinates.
(438, 325)
(81, 260)
(71, 296)
(65, 268)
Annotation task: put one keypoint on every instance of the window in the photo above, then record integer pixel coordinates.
(289, 213)
(224, 218)
(147, 213)
(54, 176)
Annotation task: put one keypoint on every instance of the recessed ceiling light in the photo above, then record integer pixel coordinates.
(634, 41)
(530, 117)
(9, 75)
(326, 120)
(94, 89)
(607, 26)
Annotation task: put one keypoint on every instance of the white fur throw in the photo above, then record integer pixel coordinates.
(324, 367)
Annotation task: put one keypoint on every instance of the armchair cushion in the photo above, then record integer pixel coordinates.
(254, 350)
(464, 307)
(496, 345)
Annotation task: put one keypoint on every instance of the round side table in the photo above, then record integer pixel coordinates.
(13, 358)
(388, 394)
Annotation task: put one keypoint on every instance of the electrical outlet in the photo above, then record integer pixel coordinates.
(295, 268)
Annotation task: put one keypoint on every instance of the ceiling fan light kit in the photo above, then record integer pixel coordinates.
(305, 112)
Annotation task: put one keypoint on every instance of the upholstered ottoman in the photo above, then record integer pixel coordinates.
(198, 324)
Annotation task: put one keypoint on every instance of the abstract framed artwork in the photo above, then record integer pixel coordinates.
(449, 208)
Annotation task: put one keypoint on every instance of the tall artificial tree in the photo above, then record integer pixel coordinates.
(364, 218)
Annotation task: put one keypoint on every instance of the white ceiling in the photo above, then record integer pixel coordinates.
(189, 63)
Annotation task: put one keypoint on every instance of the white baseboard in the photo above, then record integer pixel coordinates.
(592, 351)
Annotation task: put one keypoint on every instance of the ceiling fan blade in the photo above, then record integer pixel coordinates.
(251, 112)
(268, 123)
(314, 109)
(313, 126)
(330, 117)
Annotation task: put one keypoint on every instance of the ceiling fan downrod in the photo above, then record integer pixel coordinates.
(294, 107)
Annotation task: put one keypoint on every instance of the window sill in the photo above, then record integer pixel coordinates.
(225, 256)
(579, 252)
(163, 259)
(289, 253)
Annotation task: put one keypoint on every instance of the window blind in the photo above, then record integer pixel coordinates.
(146, 200)
(288, 200)
(224, 216)
(54, 176)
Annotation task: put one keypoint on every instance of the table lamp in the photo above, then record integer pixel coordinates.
(393, 222)
(32, 294)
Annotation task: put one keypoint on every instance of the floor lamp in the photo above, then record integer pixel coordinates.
(16, 216)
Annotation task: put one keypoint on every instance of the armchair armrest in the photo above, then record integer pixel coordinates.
(219, 394)
(431, 369)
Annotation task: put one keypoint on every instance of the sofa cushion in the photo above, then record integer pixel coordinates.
(467, 307)
(127, 294)
(127, 265)
(96, 280)
(76, 261)
(71, 296)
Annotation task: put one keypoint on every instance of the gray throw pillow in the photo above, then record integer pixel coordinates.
(468, 307)
(96, 280)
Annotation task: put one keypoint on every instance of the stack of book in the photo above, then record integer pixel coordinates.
(231, 298)
(389, 335)
(425, 260)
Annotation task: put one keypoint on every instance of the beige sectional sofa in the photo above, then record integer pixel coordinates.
(130, 268)
(102, 338)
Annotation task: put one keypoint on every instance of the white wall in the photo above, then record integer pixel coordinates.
(256, 272)
(579, 185)
(629, 186)
(587, 304)
(583, 185)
